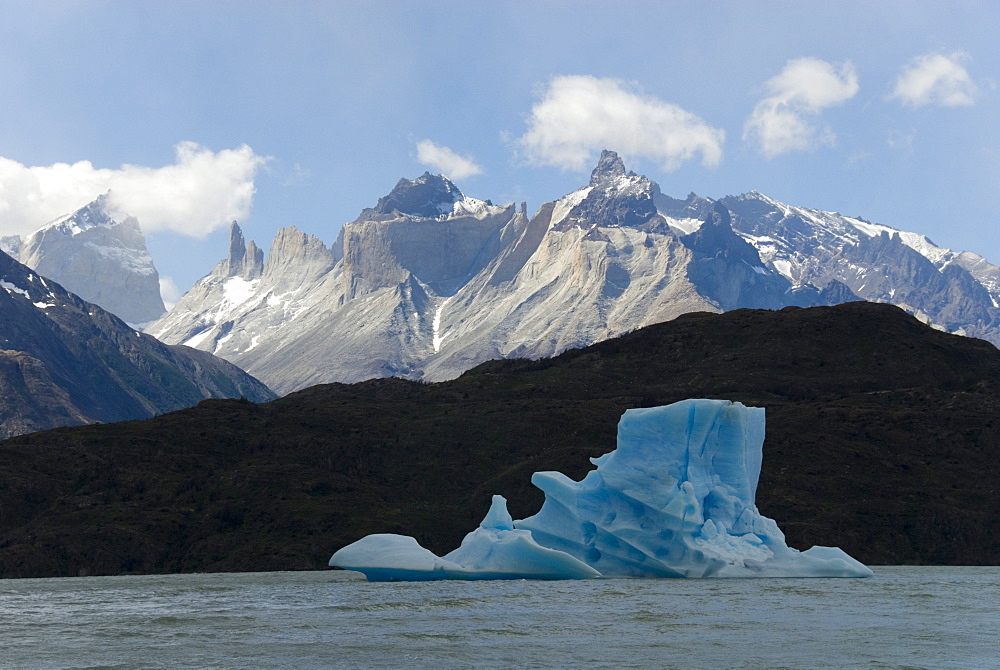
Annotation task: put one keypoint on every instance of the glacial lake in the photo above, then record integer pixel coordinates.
(903, 617)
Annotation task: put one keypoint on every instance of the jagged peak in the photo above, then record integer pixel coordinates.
(427, 196)
(755, 195)
(245, 258)
(721, 214)
(237, 245)
(291, 244)
(611, 177)
(609, 167)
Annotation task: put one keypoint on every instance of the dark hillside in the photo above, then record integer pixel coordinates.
(65, 362)
(883, 438)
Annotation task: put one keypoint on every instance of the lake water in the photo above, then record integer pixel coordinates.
(903, 617)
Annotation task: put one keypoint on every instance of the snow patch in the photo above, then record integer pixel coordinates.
(784, 267)
(567, 203)
(238, 290)
(253, 343)
(11, 288)
(194, 341)
(436, 325)
(472, 207)
(686, 226)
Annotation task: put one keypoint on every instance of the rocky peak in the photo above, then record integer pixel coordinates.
(93, 214)
(427, 196)
(245, 259)
(609, 168)
(716, 237)
(293, 252)
(102, 257)
(615, 198)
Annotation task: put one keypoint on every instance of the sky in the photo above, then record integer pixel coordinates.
(274, 114)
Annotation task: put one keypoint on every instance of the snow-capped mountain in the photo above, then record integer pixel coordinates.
(429, 282)
(65, 361)
(955, 291)
(99, 257)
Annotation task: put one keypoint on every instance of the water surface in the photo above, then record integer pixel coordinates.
(903, 617)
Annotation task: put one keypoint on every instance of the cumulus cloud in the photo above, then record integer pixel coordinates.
(169, 291)
(446, 161)
(201, 191)
(936, 79)
(784, 121)
(579, 115)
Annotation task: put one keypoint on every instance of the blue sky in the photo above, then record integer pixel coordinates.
(304, 113)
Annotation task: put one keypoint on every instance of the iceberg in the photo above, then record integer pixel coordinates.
(676, 498)
(495, 550)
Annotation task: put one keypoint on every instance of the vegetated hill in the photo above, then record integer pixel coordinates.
(883, 438)
(65, 361)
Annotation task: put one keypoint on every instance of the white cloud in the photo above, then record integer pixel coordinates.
(936, 79)
(579, 115)
(203, 190)
(169, 292)
(783, 121)
(446, 161)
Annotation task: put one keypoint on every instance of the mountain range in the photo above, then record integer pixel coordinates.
(65, 361)
(429, 282)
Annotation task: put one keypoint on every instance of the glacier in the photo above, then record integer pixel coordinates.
(676, 498)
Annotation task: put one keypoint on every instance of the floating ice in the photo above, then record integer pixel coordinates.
(675, 499)
(495, 550)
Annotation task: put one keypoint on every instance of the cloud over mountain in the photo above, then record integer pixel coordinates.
(579, 115)
(446, 161)
(784, 120)
(201, 191)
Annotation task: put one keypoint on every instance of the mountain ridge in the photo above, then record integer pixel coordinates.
(430, 282)
(67, 361)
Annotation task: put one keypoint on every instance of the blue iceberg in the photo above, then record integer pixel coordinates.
(675, 499)
(495, 550)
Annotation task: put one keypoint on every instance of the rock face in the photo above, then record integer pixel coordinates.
(101, 258)
(429, 282)
(64, 361)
